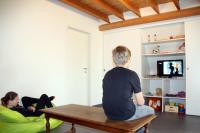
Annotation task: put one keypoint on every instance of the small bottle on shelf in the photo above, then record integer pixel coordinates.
(155, 38)
(149, 39)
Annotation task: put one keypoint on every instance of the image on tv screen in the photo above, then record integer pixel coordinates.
(172, 68)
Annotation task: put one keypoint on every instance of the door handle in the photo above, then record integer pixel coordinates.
(85, 69)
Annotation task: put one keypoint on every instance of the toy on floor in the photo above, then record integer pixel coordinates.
(181, 110)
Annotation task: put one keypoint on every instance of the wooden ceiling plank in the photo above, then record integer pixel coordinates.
(176, 3)
(109, 8)
(130, 6)
(153, 18)
(87, 9)
(154, 5)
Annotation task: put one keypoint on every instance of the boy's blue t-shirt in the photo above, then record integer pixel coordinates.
(118, 87)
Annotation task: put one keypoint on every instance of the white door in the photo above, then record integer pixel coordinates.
(78, 62)
(130, 39)
(192, 36)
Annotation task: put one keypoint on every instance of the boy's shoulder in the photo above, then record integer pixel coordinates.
(122, 69)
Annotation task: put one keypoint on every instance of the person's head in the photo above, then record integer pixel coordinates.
(121, 56)
(10, 100)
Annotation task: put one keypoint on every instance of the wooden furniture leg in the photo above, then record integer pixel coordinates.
(47, 124)
(146, 128)
(72, 130)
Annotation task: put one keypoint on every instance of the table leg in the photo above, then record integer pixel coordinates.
(47, 124)
(72, 130)
(146, 128)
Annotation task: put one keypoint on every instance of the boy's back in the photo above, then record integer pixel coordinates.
(118, 87)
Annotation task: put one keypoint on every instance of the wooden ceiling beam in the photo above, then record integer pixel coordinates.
(153, 4)
(176, 3)
(109, 8)
(153, 18)
(131, 7)
(82, 7)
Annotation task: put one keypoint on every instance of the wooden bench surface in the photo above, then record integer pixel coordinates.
(94, 117)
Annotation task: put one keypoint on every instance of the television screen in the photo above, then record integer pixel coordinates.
(170, 67)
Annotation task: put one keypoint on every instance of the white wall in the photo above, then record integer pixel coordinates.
(33, 48)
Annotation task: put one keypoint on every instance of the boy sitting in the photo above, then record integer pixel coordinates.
(118, 87)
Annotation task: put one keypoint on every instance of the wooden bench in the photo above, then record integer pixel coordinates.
(93, 117)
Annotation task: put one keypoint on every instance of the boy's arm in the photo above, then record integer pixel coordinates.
(139, 98)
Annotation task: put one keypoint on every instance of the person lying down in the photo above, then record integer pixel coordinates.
(11, 101)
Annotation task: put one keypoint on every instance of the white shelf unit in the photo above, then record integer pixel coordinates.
(168, 51)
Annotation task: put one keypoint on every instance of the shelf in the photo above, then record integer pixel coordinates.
(165, 54)
(157, 78)
(174, 78)
(153, 78)
(153, 96)
(181, 98)
(163, 41)
(168, 49)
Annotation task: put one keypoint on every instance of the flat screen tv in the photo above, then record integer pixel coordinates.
(170, 68)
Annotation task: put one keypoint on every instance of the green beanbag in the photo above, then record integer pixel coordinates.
(14, 122)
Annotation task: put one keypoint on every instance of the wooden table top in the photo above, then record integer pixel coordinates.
(93, 115)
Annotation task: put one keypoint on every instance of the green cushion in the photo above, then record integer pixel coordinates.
(13, 122)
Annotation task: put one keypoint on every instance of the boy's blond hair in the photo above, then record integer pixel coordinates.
(121, 55)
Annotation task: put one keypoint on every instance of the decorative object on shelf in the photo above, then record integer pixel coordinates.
(181, 48)
(155, 38)
(149, 94)
(158, 92)
(181, 94)
(149, 38)
(179, 36)
(156, 49)
(171, 95)
(172, 104)
(155, 103)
